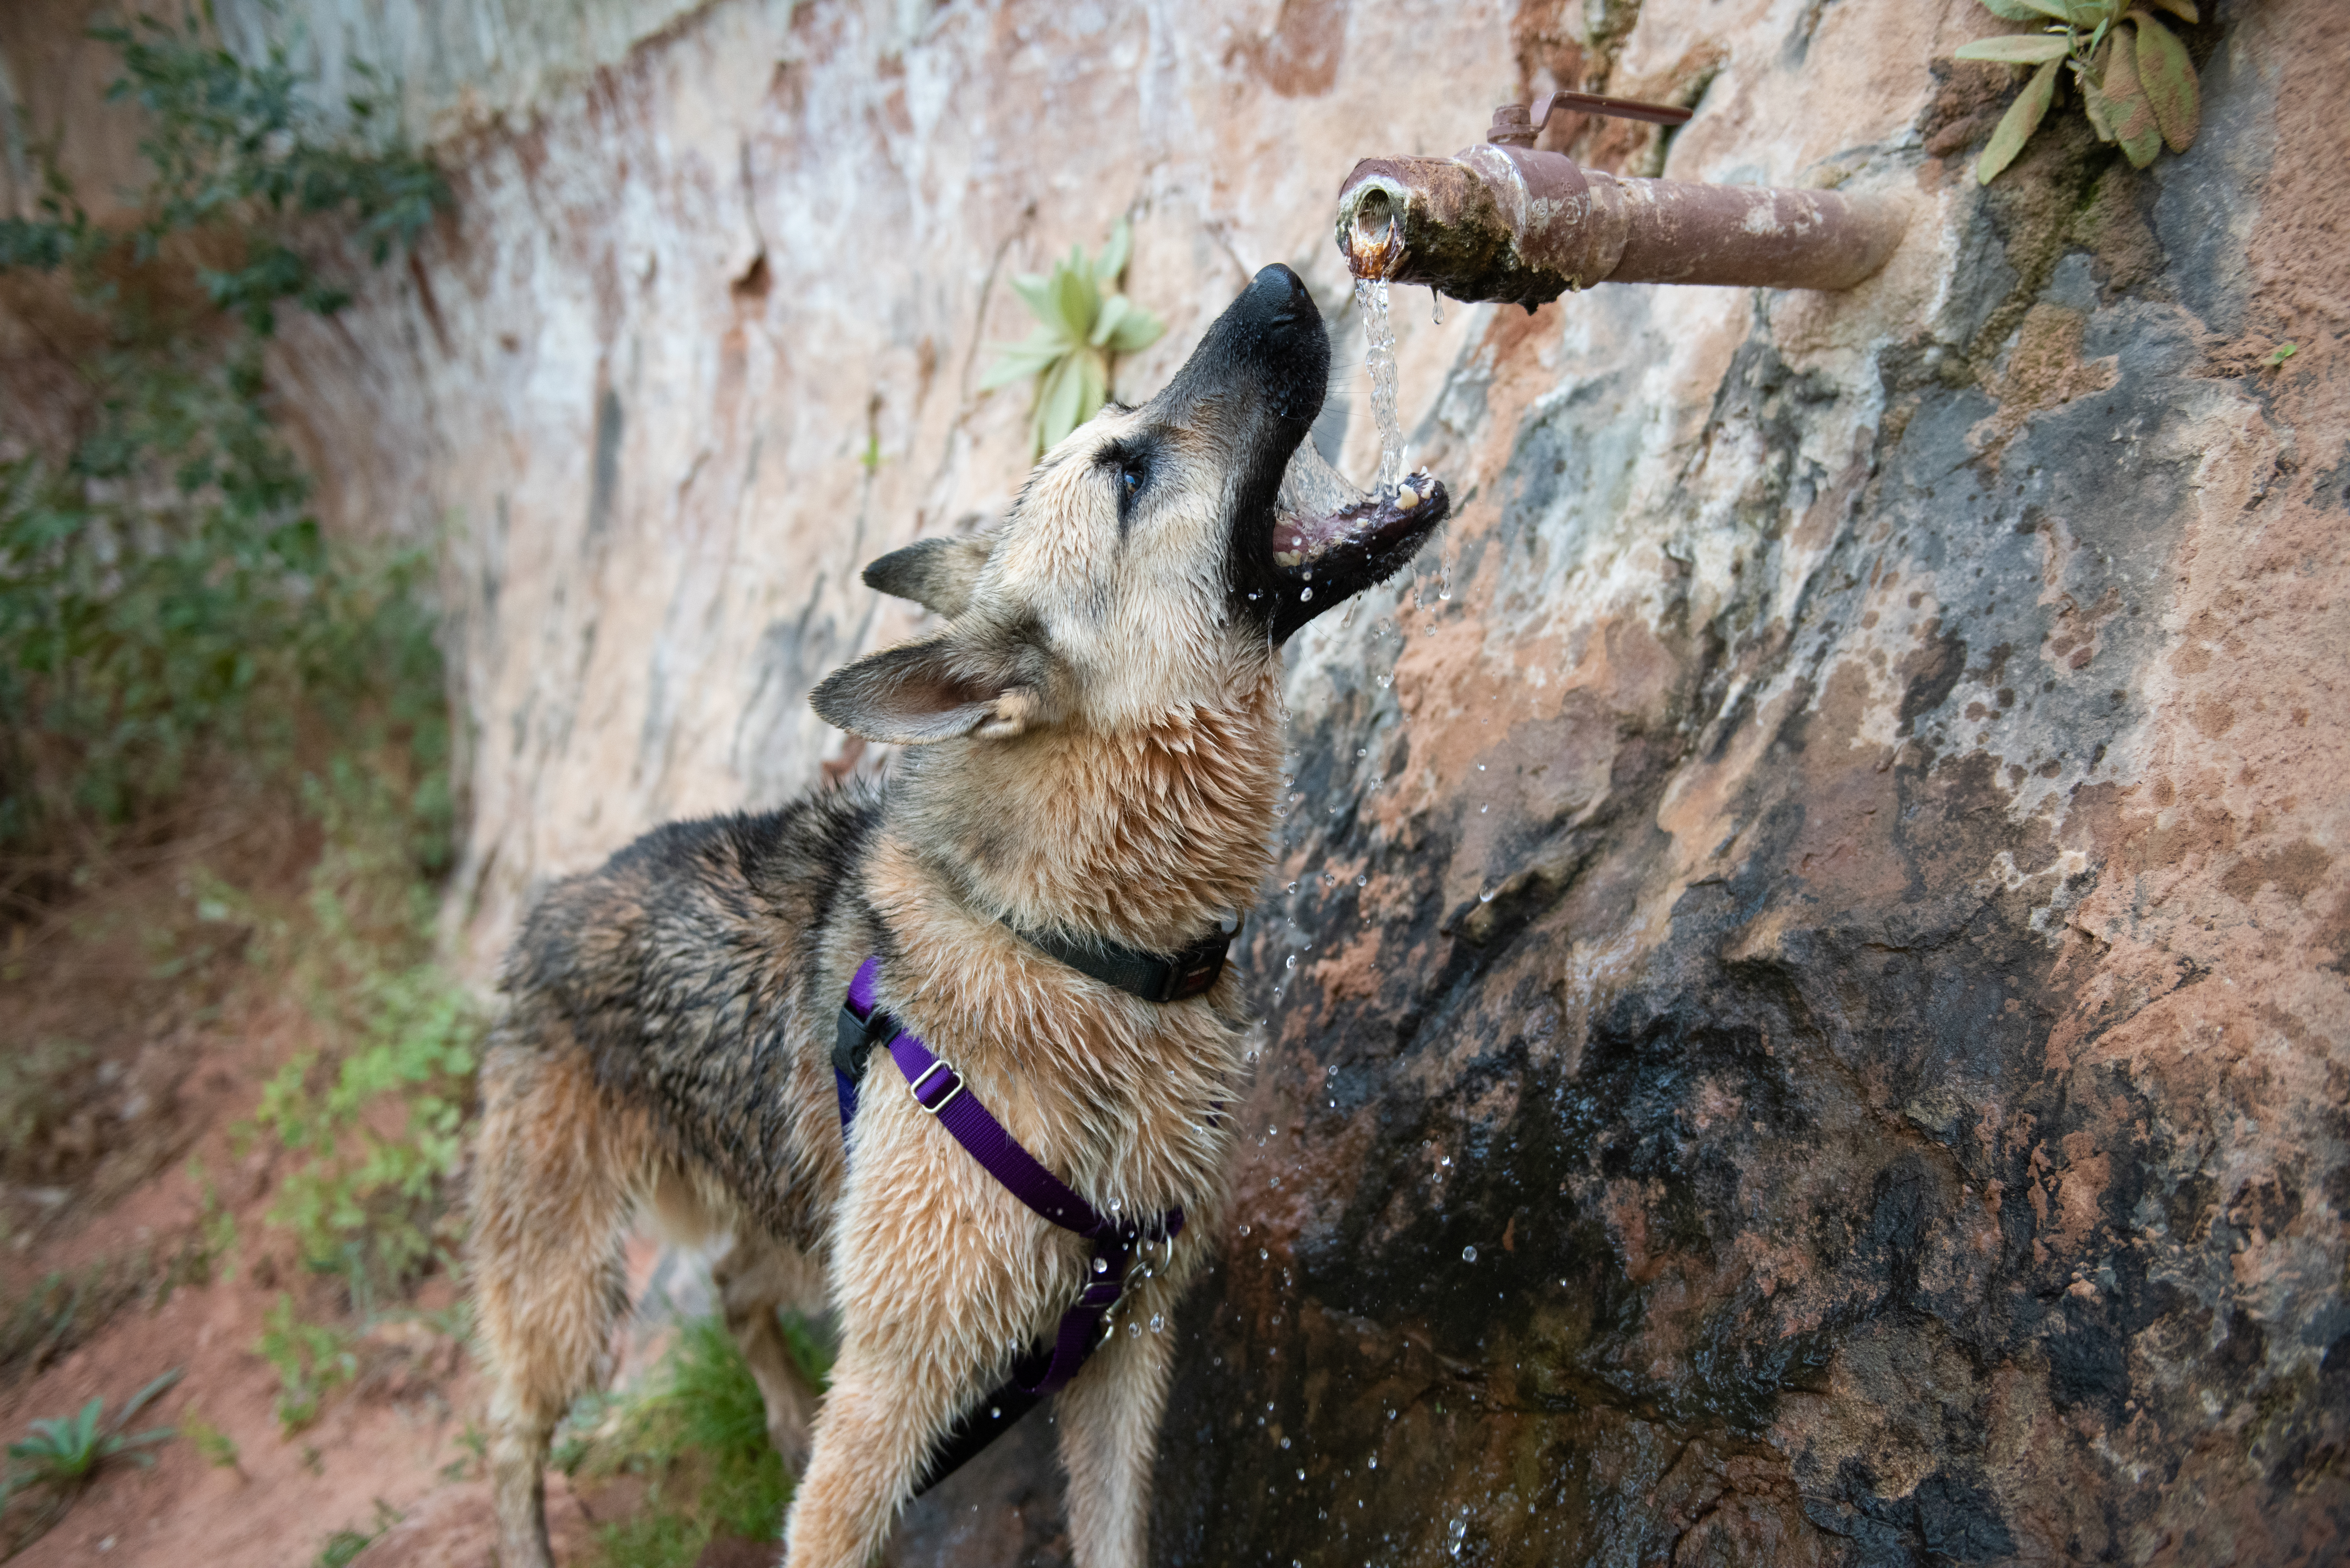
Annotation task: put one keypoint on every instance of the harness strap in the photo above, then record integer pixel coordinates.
(939, 1089)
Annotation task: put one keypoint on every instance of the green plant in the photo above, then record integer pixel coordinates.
(215, 1446)
(61, 1311)
(2136, 82)
(698, 1433)
(312, 1361)
(216, 1233)
(165, 596)
(364, 1198)
(65, 1452)
(346, 1544)
(1082, 325)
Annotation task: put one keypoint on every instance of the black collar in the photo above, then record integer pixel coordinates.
(1154, 977)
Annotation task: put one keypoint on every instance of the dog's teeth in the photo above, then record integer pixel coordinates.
(1406, 498)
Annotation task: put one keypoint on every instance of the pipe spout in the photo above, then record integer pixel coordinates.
(1503, 221)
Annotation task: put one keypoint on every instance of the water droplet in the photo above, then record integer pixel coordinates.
(1304, 595)
(1291, 888)
(1285, 1442)
(1375, 1461)
(1486, 894)
(995, 1412)
(1362, 751)
(1158, 1323)
(1263, 1256)
(1386, 682)
(1436, 303)
(1133, 1330)
(1292, 963)
(1101, 1265)
(1363, 880)
(1244, 1230)
(1301, 1475)
(1468, 1254)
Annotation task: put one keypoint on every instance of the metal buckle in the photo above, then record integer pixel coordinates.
(1197, 967)
(915, 1089)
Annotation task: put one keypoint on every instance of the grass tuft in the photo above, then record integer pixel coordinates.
(698, 1436)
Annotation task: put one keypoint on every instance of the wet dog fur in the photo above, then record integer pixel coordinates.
(1092, 746)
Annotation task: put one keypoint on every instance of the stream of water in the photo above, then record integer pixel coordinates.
(1379, 359)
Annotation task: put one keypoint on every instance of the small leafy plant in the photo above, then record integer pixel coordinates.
(698, 1434)
(312, 1360)
(344, 1546)
(2136, 83)
(1082, 322)
(364, 1201)
(217, 1448)
(65, 1453)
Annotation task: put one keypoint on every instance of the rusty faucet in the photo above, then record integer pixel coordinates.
(1499, 221)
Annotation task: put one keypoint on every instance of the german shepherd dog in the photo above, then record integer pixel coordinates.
(1094, 737)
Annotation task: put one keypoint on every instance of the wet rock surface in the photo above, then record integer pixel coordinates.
(1876, 1093)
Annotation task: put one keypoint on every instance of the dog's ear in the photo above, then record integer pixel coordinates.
(936, 574)
(935, 689)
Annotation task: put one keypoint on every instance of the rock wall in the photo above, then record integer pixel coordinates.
(1807, 994)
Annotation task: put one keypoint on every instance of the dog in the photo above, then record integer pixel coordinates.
(1092, 744)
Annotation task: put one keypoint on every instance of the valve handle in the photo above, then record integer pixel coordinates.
(1515, 123)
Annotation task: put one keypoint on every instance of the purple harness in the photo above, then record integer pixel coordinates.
(1117, 1244)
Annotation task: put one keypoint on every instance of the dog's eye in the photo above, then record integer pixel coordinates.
(1133, 471)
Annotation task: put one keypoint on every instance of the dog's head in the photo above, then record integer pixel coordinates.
(1146, 566)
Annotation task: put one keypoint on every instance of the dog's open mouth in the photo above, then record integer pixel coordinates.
(1331, 541)
(1364, 541)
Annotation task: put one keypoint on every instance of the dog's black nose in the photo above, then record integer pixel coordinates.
(1267, 354)
(1276, 296)
(1272, 334)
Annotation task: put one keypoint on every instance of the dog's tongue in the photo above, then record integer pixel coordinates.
(1329, 534)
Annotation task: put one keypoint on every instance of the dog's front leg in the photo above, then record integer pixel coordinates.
(935, 1270)
(872, 1440)
(1110, 1436)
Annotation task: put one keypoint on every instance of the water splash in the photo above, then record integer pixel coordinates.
(1379, 335)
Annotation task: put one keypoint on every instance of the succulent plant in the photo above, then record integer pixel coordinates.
(1082, 322)
(2136, 83)
(67, 1451)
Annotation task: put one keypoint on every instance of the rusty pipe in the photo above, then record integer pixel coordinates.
(1501, 222)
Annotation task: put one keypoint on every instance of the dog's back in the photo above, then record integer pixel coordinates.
(682, 970)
